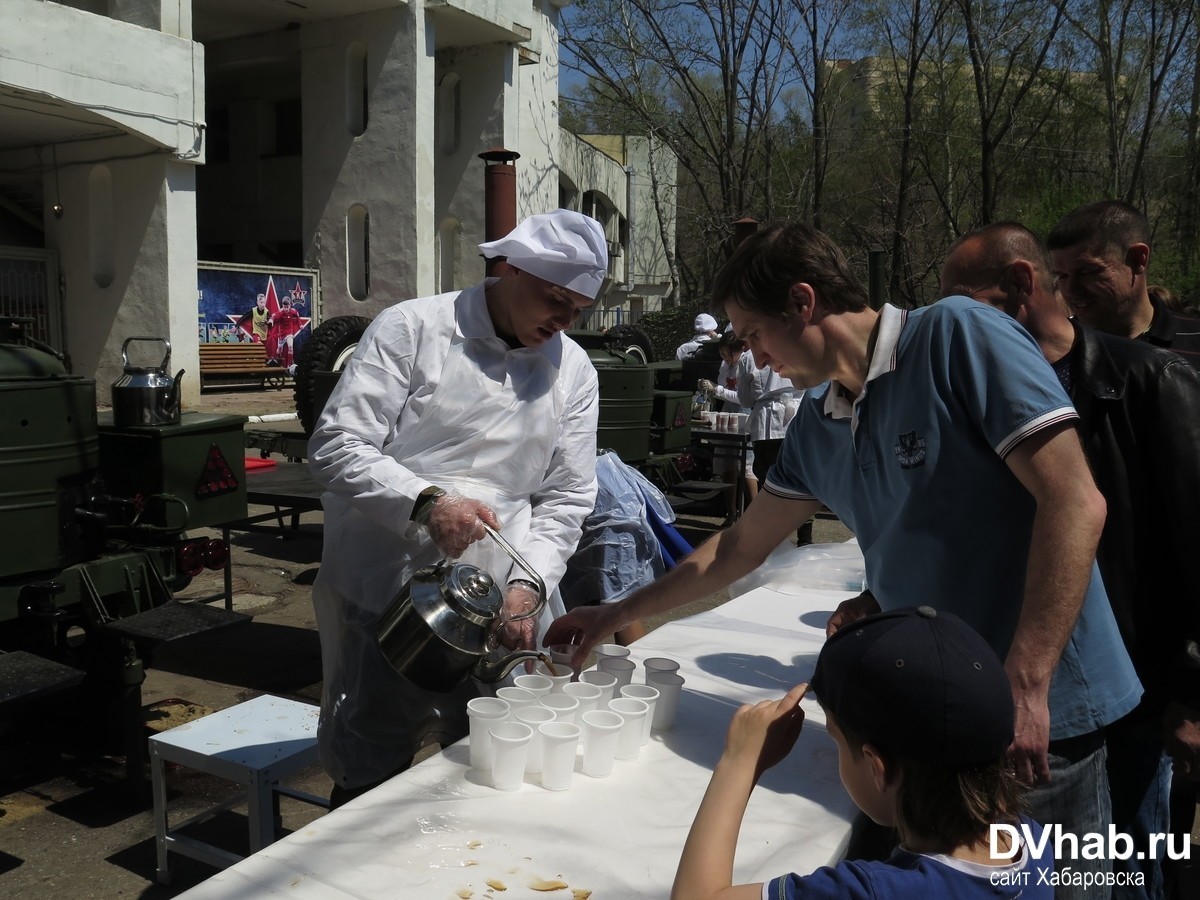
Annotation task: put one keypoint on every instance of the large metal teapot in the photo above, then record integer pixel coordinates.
(445, 622)
(146, 395)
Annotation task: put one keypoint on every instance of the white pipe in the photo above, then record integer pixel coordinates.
(273, 417)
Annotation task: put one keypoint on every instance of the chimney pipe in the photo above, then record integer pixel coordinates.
(499, 195)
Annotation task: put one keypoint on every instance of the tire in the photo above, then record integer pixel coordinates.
(632, 340)
(327, 350)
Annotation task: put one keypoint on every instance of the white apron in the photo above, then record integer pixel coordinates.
(490, 434)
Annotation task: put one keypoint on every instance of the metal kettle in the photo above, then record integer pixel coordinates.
(445, 622)
(146, 395)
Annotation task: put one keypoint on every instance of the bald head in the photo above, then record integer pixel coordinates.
(979, 264)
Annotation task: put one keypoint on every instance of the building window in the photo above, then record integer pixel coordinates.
(101, 226)
(449, 253)
(356, 88)
(448, 113)
(358, 251)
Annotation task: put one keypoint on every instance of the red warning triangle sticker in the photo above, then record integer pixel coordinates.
(216, 477)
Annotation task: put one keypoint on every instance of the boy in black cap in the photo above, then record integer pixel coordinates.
(922, 714)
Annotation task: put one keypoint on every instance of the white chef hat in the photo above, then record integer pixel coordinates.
(562, 247)
(704, 322)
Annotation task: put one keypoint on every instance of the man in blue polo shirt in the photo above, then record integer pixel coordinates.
(945, 441)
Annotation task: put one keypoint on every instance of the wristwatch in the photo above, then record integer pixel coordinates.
(424, 505)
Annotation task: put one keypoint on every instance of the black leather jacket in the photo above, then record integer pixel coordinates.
(1140, 425)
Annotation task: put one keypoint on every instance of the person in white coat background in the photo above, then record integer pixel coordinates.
(456, 410)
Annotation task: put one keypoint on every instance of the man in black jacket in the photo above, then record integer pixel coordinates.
(1139, 411)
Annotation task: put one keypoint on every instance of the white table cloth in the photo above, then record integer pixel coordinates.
(440, 831)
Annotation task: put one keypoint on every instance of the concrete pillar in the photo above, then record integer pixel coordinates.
(168, 16)
(385, 57)
(127, 251)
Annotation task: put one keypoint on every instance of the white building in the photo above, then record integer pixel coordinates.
(138, 136)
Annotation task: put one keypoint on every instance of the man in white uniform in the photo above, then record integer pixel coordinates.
(456, 410)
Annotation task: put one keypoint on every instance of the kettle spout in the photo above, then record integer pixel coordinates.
(172, 404)
(494, 670)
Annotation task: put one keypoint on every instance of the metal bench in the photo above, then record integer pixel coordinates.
(238, 363)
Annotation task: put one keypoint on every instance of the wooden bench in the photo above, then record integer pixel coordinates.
(233, 363)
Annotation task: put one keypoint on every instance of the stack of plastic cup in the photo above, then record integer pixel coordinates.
(601, 729)
(515, 697)
(658, 664)
(534, 716)
(538, 685)
(670, 686)
(606, 681)
(564, 707)
(629, 740)
(620, 667)
(559, 740)
(588, 696)
(647, 694)
(510, 746)
(483, 713)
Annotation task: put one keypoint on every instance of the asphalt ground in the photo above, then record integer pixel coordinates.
(72, 825)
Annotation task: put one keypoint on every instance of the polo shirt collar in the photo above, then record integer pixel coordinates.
(838, 402)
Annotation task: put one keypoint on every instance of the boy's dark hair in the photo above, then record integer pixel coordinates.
(949, 807)
(730, 342)
(760, 274)
(1102, 226)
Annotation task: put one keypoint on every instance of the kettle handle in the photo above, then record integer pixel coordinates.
(516, 557)
(166, 344)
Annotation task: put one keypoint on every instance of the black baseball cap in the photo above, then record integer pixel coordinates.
(920, 685)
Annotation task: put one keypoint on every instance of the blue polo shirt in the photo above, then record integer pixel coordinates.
(915, 467)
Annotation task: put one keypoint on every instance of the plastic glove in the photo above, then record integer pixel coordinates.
(707, 386)
(455, 522)
(518, 598)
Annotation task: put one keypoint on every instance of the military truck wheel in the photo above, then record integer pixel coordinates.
(327, 350)
(632, 340)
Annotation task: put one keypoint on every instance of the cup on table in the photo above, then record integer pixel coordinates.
(670, 686)
(534, 716)
(561, 654)
(482, 714)
(559, 740)
(564, 707)
(647, 694)
(619, 667)
(740, 422)
(538, 685)
(562, 675)
(710, 419)
(510, 746)
(515, 697)
(603, 650)
(658, 664)
(601, 729)
(724, 422)
(629, 740)
(606, 681)
(588, 696)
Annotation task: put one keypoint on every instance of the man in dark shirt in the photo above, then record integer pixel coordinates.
(1101, 253)
(1139, 410)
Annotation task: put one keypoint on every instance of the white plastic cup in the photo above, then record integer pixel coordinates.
(588, 696)
(559, 740)
(647, 694)
(659, 664)
(562, 675)
(538, 685)
(510, 746)
(724, 422)
(740, 421)
(515, 697)
(601, 729)
(670, 687)
(710, 419)
(606, 681)
(562, 654)
(564, 707)
(534, 716)
(482, 714)
(604, 650)
(629, 741)
(619, 667)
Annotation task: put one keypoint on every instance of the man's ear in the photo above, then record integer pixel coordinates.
(880, 771)
(1137, 257)
(1020, 276)
(802, 301)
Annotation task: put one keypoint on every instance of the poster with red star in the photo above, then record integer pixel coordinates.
(273, 307)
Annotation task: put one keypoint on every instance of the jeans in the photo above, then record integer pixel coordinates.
(1139, 776)
(1077, 799)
